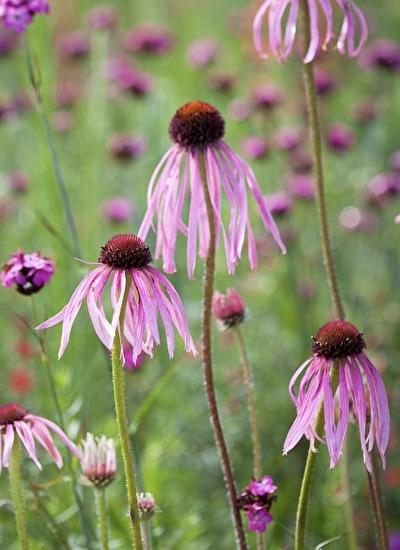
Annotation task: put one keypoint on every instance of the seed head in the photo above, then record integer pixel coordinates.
(196, 124)
(338, 339)
(125, 251)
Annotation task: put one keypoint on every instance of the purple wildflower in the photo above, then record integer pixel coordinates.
(147, 505)
(383, 188)
(325, 82)
(255, 147)
(302, 186)
(288, 139)
(279, 203)
(395, 161)
(118, 209)
(126, 147)
(360, 389)
(18, 421)
(240, 108)
(74, 45)
(266, 96)
(148, 38)
(124, 260)
(18, 181)
(202, 52)
(256, 500)
(229, 308)
(8, 41)
(281, 41)
(197, 130)
(99, 462)
(27, 272)
(17, 15)
(102, 17)
(382, 54)
(340, 138)
(127, 78)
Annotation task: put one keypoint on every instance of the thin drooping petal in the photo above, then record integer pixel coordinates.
(100, 323)
(58, 431)
(26, 437)
(258, 28)
(8, 439)
(344, 410)
(43, 436)
(349, 28)
(329, 415)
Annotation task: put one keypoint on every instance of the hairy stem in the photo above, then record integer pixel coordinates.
(35, 82)
(123, 427)
(209, 387)
(377, 504)
(16, 493)
(101, 510)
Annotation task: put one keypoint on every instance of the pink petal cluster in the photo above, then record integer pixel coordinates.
(229, 308)
(359, 390)
(16, 421)
(99, 462)
(18, 14)
(256, 500)
(28, 272)
(282, 20)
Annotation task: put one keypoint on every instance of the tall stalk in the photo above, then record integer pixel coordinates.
(35, 82)
(101, 511)
(123, 427)
(223, 452)
(316, 143)
(16, 493)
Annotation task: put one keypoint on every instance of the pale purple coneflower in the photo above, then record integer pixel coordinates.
(282, 20)
(147, 505)
(16, 421)
(359, 388)
(197, 130)
(99, 462)
(125, 260)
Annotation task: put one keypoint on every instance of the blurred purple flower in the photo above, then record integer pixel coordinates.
(240, 108)
(340, 138)
(365, 111)
(27, 272)
(383, 188)
(279, 203)
(383, 54)
(288, 138)
(302, 186)
(73, 45)
(255, 147)
(118, 209)
(325, 82)
(126, 147)
(16, 421)
(202, 52)
(62, 121)
(18, 181)
(360, 390)
(127, 78)
(256, 500)
(148, 38)
(102, 17)
(301, 161)
(266, 96)
(394, 540)
(131, 363)
(18, 14)
(395, 161)
(124, 260)
(354, 219)
(221, 81)
(99, 461)
(280, 44)
(68, 93)
(197, 129)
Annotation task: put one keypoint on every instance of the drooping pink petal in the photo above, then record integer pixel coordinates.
(26, 437)
(8, 440)
(58, 431)
(43, 436)
(258, 28)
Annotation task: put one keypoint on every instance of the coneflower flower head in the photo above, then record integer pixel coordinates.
(147, 505)
(18, 14)
(283, 18)
(99, 463)
(256, 500)
(27, 272)
(229, 308)
(124, 260)
(197, 129)
(16, 421)
(359, 387)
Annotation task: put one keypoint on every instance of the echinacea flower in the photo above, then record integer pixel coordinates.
(16, 421)
(99, 462)
(283, 15)
(197, 130)
(125, 260)
(147, 505)
(256, 500)
(360, 389)
(228, 308)
(17, 15)
(28, 272)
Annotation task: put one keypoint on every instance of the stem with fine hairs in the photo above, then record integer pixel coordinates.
(16, 493)
(209, 272)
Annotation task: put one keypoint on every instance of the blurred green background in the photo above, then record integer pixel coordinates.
(287, 298)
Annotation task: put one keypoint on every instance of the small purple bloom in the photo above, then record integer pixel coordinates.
(383, 54)
(354, 219)
(395, 161)
(118, 209)
(383, 188)
(340, 138)
(302, 186)
(325, 82)
(127, 78)
(8, 41)
(102, 18)
(288, 139)
(27, 272)
(62, 121)
(301, 161)
(360, 391)
(256, 501)
(365, 111)
(18, 181)
(197, 129)
(258, 517)
(148, 38)
(18, 14)
(124, 260)
(394, 540)
(279, 203)
(281, 40)
(240, 108)
(74, 45)
(131, 363)
(221, 81)
(126, 147)
(266, 96)
(262, 486)
(202, 52)
(229, 308)
(255, 147)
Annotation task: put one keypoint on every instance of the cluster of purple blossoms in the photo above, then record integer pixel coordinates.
(148, 38)
(201, 157)
(18, 14)
(124, 261)
(256, 500)
(338, 352)
(285, 13)
(27, 272)
(16, 421)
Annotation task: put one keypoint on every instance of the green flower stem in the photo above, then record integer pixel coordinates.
(35, 82)
(248, 380)
(377, 504)
(122, 422)
(209, 273)
(16, 493)
(146, 534)
(101, 510)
